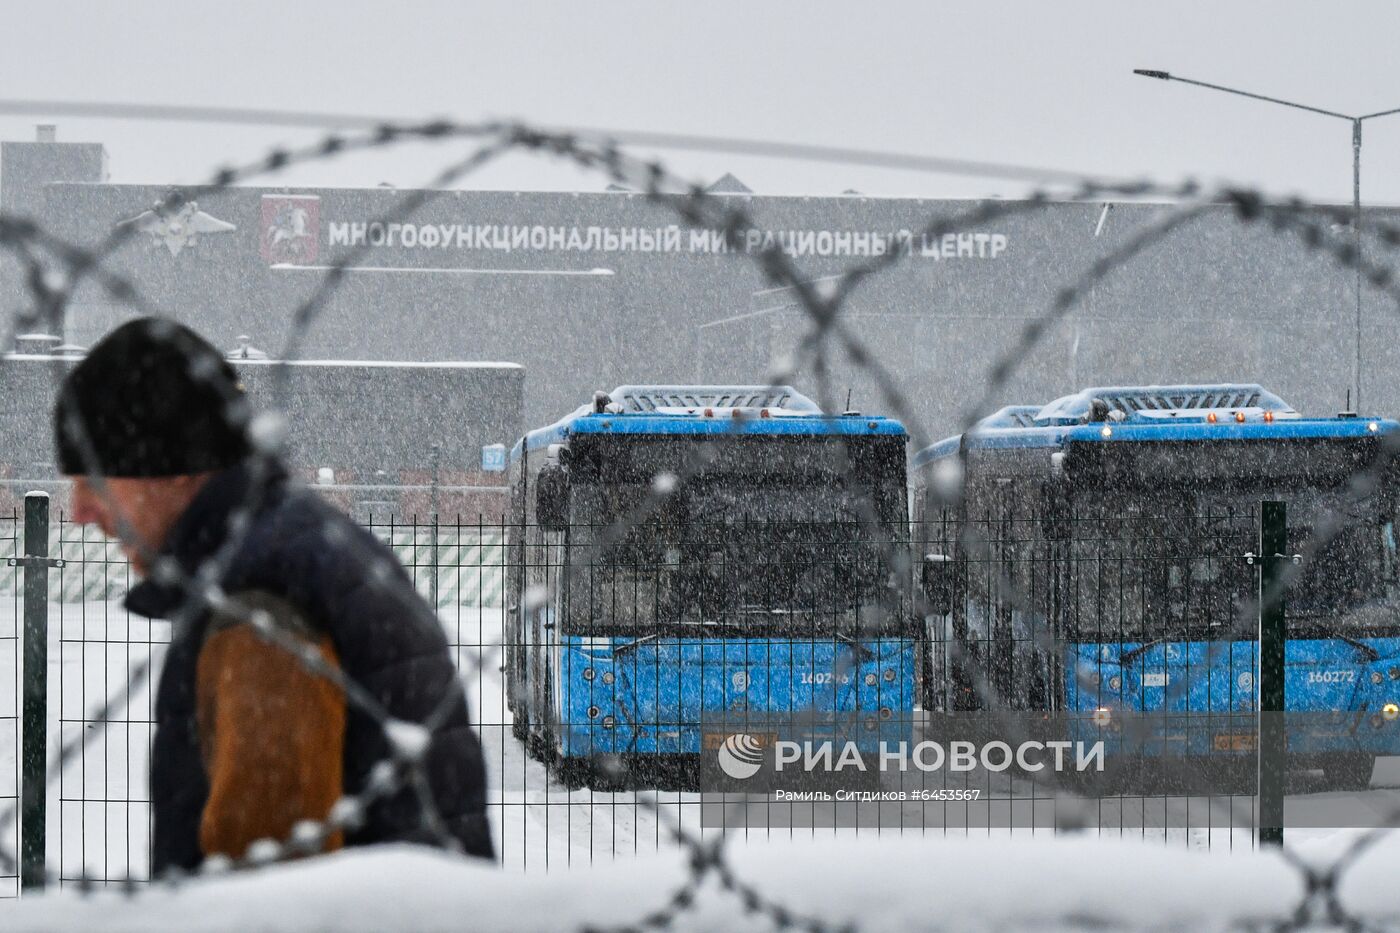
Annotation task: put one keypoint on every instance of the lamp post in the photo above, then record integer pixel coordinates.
(1355, 122)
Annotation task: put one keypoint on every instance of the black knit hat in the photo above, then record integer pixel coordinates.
(153, 398)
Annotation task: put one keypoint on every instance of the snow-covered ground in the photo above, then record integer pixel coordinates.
(1046, 883)
(98, 818)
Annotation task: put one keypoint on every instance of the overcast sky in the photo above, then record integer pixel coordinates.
(1036, 83)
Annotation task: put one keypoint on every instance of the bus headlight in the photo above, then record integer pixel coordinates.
(1390, 711)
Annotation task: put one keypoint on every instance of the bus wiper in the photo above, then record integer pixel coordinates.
(681, 629)
(627, 646)
(1128, 657)
(863, 652)
(1371, 653)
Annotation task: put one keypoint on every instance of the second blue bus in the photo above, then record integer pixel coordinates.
(1101, 560)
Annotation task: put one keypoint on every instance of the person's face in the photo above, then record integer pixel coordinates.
(137, 512)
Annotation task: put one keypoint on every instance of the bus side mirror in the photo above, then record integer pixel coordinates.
(938, 583)
(552, 498)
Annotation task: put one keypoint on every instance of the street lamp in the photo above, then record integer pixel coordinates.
(1355, 170)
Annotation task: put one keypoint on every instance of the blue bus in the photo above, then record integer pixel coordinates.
(1093, 555)
(680, 553)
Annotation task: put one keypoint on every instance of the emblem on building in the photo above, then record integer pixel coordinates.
(291, 228)
(177, 227)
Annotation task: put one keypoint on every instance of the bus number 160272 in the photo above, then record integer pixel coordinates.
(818, 678)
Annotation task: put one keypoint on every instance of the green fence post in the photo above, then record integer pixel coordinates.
(1273, 765)
(34, 726)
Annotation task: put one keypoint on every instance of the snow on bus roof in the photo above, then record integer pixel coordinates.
(1144, 400)
(1196, 412)
(704, 409)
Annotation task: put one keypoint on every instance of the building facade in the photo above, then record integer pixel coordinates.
(378, 438)
(591, 290)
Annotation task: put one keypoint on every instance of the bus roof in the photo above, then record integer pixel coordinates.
(1237, 411)
(705, 410)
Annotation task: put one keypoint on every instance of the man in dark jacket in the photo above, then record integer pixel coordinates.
(305, 677)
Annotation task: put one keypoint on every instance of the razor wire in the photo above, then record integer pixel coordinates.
(55, 270)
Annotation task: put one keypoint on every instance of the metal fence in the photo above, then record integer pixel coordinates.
(10, 547)
(598, 670)
(98, 809)
(1112, 613)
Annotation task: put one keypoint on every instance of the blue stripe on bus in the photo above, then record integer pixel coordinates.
(1125, 432)
(699, 426)
(1321, 675)
(662, 689)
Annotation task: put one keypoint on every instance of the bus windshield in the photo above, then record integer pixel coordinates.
(1170, 561)
(754, 534)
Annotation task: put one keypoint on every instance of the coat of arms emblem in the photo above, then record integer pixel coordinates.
(177, 224)
(291, 228)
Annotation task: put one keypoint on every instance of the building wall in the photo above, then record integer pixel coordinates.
(26, 169)
(405, 438)
(1216, 301)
